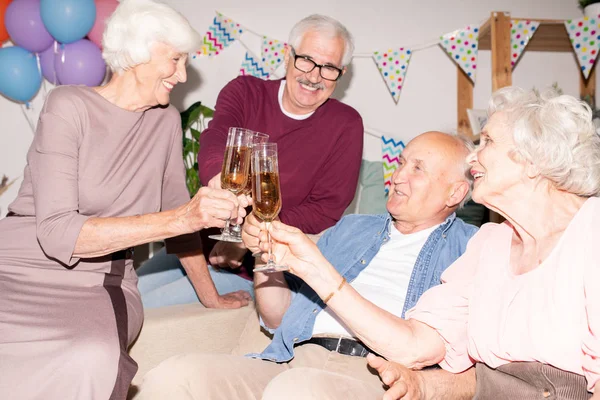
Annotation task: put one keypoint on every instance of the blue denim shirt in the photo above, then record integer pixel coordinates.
(350, 246)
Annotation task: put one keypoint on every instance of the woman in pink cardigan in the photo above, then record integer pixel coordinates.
(523, 302)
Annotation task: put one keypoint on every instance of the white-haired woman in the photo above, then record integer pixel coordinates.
(523, 302)
(104, 173)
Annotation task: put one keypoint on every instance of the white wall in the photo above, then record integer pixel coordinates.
(427, 101)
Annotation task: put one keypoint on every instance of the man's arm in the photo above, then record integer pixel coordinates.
(196, 268)
(429, 384)
(229, 112)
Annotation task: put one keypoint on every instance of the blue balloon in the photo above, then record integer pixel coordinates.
(68, 20)
(20, 78)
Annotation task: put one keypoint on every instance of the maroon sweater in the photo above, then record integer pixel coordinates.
(319, 157)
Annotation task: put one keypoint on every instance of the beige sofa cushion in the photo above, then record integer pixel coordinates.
(181, 329)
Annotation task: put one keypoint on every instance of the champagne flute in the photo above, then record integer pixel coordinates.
(234, 175)
(266, 193)
(256, 139)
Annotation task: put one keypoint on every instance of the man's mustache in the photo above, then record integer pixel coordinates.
(310, 84)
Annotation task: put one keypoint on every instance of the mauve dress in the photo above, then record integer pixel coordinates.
(65, 323)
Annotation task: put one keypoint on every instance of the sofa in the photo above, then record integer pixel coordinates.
(187, 328)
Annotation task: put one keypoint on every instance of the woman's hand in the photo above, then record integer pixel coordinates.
(211, 208)
(293, 248)
(404, 383)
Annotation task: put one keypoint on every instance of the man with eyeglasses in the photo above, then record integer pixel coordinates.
(320, 142)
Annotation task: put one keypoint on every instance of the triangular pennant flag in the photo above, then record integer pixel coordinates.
(390, 153)
(585, 39)
(393, 65)
(272, 51)
(520, 33)
(252, 66)
(220, 34)
(462, 46)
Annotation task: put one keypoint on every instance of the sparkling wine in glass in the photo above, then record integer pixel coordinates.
(266, 193)
(256, 139)
(234, 174)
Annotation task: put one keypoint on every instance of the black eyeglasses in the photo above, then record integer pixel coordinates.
(306, 64)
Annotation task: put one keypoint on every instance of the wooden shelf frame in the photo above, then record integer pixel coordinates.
(494, 34)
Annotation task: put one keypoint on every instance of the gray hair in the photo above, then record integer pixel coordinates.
(136, 25)
(325, 25)
(555, 133)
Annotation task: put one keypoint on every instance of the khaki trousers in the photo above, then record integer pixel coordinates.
(314, 373)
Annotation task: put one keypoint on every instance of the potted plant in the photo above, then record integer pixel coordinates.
(591, 8)
(193, 121)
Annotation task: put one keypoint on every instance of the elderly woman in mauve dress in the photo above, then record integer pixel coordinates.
(104, 173)
(522, 303)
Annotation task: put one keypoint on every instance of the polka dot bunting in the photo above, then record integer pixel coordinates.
(521, 32)
(272, 51)
(393, 65)
(461, 45)
(585, 39)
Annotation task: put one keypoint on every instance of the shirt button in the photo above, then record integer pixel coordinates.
(295, 339)
(363, 261)
(546, 393)
(315, 311)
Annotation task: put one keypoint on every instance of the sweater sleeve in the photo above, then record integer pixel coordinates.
(335, 187)
(53, 161)
(229, 112)
(175, 194)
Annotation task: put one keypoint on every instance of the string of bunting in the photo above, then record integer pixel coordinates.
(461, 45)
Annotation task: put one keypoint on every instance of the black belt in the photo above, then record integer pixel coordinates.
(126, 254)
(346, 346)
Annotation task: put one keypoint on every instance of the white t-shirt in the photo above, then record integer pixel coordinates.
(289, 114)
(384, 281)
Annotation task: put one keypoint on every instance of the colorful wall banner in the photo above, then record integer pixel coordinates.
(585, 39)
(393, 65)
(521, 32)
(272, 52)
(390, 153)
(221, 34)
(462, 46)
(252, 66)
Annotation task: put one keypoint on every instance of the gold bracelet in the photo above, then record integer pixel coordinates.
(326, 299)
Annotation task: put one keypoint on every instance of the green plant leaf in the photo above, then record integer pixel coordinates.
(209, 112)
(195, 134)
(194, 114)
(189, 116)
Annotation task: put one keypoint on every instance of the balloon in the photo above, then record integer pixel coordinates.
(47, 60)
(3, 32)
(25, 27)
(80, 63)
(68, 20)
(20, 78)
(104, 9)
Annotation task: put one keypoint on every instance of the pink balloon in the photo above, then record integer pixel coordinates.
(104, 9)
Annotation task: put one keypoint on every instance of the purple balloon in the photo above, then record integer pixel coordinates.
(25, 27)
(80, 63)
(47, 59)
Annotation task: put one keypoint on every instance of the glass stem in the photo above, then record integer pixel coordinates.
(268, 224)
(226, 228)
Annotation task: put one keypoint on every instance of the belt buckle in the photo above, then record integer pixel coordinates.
(337, 347)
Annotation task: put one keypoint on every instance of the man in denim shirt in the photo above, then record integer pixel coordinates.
(364, 273)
